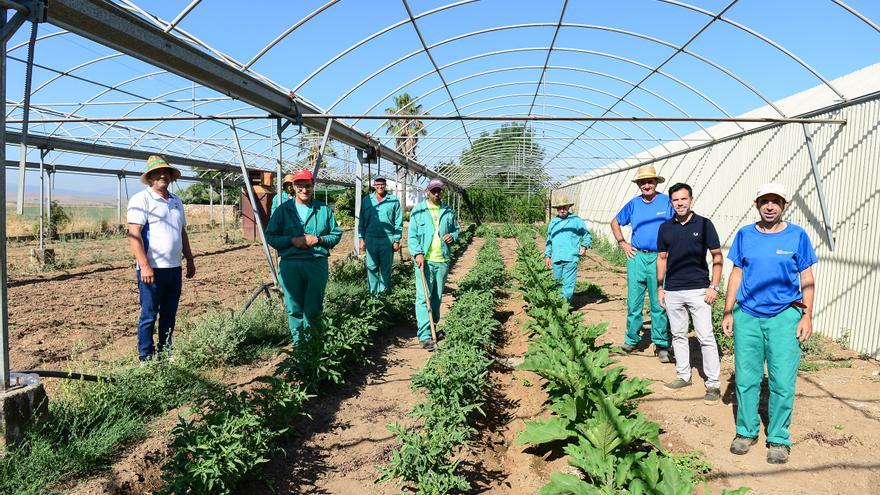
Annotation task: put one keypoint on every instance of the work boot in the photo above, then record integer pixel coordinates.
(440, 335)
(662, 354)
(677, 384)
(428, 345)
(741, 445)
(712, 397)
(628, 348)
(777, 453)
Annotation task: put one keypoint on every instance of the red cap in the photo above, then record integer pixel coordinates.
(303, 175)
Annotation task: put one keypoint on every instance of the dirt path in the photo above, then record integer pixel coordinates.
(835, 429)
(507, 467)
(345, 440)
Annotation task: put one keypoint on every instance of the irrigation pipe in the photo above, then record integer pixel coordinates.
(261, 289)
(71, 375)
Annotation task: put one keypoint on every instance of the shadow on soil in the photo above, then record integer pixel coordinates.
(297, 467)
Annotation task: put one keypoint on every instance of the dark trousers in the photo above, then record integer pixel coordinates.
(158, 299)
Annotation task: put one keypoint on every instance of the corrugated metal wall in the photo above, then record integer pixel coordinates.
(725, 177)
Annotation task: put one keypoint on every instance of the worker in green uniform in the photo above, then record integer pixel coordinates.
(303, 231)
(567, 240)
(379, 231)
(432, 228)
(286, 192)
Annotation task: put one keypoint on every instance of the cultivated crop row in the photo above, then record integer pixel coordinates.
(455, 382)
(594, 415)
(232, 434)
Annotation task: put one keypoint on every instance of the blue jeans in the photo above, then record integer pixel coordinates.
(158, 299)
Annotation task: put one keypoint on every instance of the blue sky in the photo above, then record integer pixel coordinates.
(828, 38)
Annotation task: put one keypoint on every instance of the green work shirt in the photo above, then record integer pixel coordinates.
(284, 197)
(421, 229)
(435, 252)
(286, 224)
(381, 219)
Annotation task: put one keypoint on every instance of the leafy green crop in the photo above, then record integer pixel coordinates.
(455, 381)
(593, 403)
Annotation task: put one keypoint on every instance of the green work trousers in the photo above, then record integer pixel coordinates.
(380, 256)
(435, 277)
(774, 340)
(303, 281)
(641, 276)
(565, 272)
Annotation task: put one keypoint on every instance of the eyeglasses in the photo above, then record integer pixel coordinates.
(302, 186)
(436, 190)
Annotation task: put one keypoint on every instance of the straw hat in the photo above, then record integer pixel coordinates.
(155, 162)
(648, 172)
(288, 179)
(560, 201)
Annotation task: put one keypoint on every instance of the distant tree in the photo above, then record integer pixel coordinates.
(507, 157)
(309, 142)
(406, 132)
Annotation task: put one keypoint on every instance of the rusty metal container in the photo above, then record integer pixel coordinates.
(264, 193)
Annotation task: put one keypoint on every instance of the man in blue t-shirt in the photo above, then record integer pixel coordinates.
(645, 213)
(769, 312)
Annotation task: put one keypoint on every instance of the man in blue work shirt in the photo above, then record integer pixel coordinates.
(379, 231)
(567, 240)
(645, 213)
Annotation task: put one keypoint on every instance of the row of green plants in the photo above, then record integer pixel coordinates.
(510, 231)
(455, 381)
(594, 416)
(608, 250)
(227, 436)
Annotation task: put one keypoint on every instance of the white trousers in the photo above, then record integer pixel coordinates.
(678, 304)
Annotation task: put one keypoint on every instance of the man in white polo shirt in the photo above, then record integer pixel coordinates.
(158, 239)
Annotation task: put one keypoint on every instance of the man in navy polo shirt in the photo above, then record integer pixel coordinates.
(645, 213)
(683, 287)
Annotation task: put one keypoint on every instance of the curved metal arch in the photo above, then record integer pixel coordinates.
(571, 25)
(761, 37)
(287, 32)
(534, 67)
(561, 108)
(68, 71)
(557, 126)
(375, 35)
(588, 52)
(682, 49)
(565, 108)
(573, 85)
(572, 135)
(858, 14)
(40, 38)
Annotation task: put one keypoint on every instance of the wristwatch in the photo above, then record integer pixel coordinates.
(715, 288)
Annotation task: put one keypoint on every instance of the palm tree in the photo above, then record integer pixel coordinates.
(406, 132)
(309, 143)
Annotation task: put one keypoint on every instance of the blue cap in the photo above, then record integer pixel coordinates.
(378, 178)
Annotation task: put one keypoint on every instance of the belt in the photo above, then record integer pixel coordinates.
(645, 250)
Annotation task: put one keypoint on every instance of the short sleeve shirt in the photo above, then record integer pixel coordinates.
(163, 221)
(771, 266)
(645, 219)
(686, 246)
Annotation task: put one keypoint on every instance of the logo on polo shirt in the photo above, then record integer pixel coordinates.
(781, 251)
(696, 234)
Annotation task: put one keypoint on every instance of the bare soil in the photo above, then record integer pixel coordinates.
(835, 427)
(87, 313)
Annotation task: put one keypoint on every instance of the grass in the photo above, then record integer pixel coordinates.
(607, 250)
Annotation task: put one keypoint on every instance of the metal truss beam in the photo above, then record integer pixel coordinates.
(116, 28)
(96, 171)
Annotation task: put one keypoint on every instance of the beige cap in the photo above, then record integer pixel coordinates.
(773, 188)
(560, 201)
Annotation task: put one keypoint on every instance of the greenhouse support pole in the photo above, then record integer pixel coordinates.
(119, 199)
(4, 295)
(258, 218)
(826, 217)
(321, 149)
(358, 197)
(222, 207)
(51, 182)
(211, 203)
(28, 79)
(43, 153)
(279, 128)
